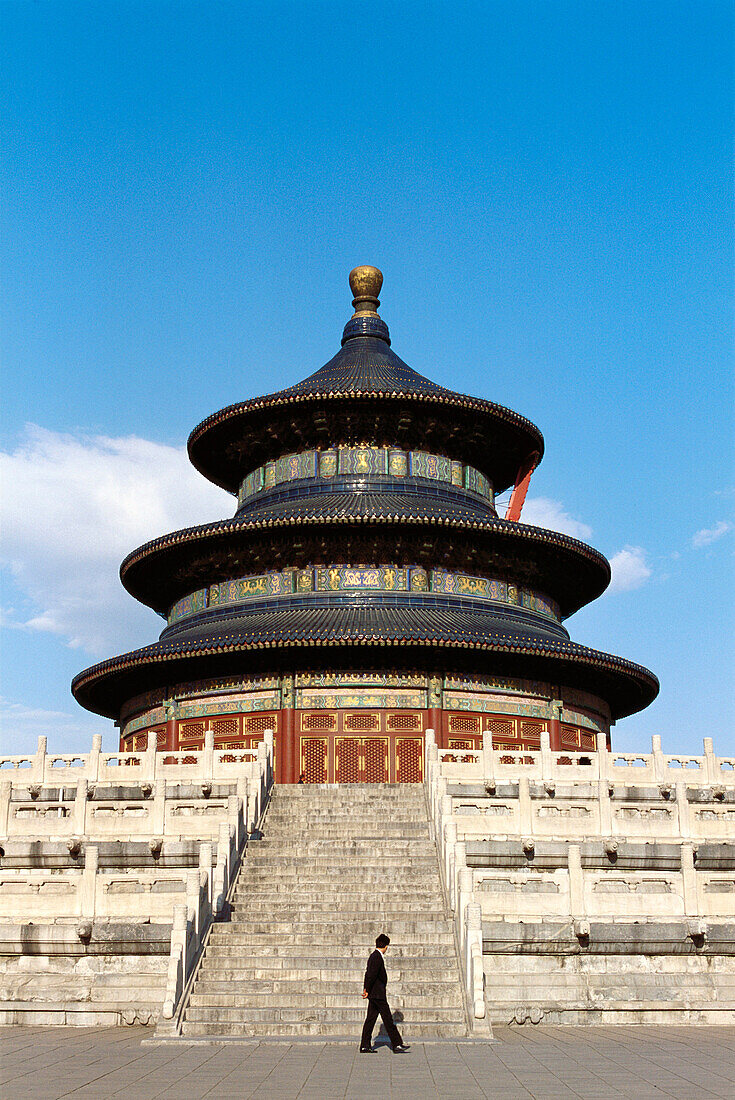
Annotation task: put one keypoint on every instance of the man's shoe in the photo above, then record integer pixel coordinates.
(367, 1050)
(403, 1048)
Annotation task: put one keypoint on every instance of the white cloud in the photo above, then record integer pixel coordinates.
(21, 726)
(72, 507)
(629, 569)
(709, 535)
(544, 512)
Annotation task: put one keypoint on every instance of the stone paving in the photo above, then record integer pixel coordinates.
(543, 1063)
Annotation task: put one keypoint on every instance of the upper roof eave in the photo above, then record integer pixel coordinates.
(203, 436)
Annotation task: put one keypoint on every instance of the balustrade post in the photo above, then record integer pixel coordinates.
(547, 760)
(576, 881)
(689, 881)
(207, 763)
(712, 770)
(465, 885)
(192, 900)
(149, 758)
(79, 813)
(38, 771)
(93, 773)
(268, 742)
(6, 787)
(205, 864)
(475, 968)
(88, 886)
(450, 841)
(604, 803)
(158, 808)
(684, 824)
(176, 976)
(488, 759)
(524, 806)
(659, 764)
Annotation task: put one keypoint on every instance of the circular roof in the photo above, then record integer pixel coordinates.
(371, 528)
(478, 639)
(365, 392)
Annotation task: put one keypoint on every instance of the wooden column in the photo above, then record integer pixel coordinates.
(435, 710)
(555, 726)
(288, 760)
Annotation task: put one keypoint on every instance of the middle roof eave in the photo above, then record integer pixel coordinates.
(164, 570)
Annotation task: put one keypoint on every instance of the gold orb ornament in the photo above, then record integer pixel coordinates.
(365, 284)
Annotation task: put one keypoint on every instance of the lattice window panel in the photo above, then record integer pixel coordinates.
(160, 739)
(367, 722)
(226, 727)
(461, 742)
(530, 734)
(251, 741)
(588, 741)
(503, 731)
(140, 742)
(376, 760)
(259, 723)
(404, 722)
(190, 729)
(227, 759)
(314, 759)
(409, 760)
(570, 737)
(464, 723)
(318, 721)
(347, 759)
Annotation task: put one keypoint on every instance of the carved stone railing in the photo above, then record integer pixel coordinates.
(488, 765)
(209, 890)
(529, 799)
(183, 765)
(98, 796)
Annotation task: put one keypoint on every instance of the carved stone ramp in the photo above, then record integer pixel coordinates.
(336, 866)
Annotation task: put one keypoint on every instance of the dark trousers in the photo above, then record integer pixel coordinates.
(375, 1009)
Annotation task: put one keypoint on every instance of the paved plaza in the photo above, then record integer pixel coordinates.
(543, 1063)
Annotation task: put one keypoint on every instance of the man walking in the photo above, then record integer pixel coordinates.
(374, 992)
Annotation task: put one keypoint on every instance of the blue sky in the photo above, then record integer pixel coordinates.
(547, 188)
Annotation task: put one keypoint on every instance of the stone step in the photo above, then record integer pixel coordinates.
(308, 1029)
(250, 938)
(215, 978)
(330, 954)
(330, 855)
(334, 867)
(348, 908)
(347, 878)
(357, 816)
(374, 838)
(306, 926)
(329, 893)
(321, 1014)
(318, 998)
(351, 901)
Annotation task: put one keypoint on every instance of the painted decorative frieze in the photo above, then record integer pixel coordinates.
(320, 699)
(368, 460)
(361, 679)
(364, 578)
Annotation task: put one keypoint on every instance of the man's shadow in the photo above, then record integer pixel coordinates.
(381, 1039)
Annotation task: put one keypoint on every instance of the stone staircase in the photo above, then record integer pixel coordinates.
(336, 866)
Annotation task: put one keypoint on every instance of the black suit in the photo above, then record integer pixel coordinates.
(376, 980)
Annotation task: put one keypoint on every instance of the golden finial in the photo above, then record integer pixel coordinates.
(365, 284)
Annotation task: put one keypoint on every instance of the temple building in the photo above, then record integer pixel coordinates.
(366, 588)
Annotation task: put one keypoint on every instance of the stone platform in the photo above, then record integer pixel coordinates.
(527, 1063)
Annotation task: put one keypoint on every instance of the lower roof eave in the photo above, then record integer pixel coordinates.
(104, 688)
